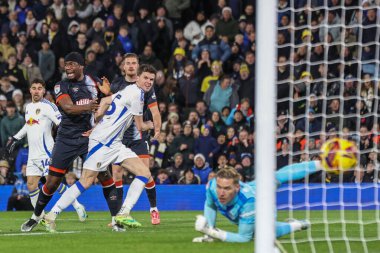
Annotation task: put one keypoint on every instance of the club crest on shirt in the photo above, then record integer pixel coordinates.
(75, 89)
(38, 111)
(57, 88)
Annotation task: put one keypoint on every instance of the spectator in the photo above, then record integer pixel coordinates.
(18, 99)
(330, 25)
(147, 29)
(125, 39)
(6, 48)
(11, 123)
(201, 168)
(202, 110)
(30, 69)
(71, 178)
(222, 163)
(175, 9)
(46, 61)
(216, 73)
(19, 200)
(222, 93)
(184, 144)
(57, 39)
(206, 144)
(163, 41)
(219, 50)
(246, 84)
(176, 67)
(177, 169)
(149, 57)
(189, 178)
(158, 149)
(15, 74)
(6, 87)
(188, 86)
(5, 175)
(227, 27)
(163, 177)
(192, 31)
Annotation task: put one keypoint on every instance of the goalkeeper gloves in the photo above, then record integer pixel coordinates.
(11, 144)
(204, 238)
(201, 225)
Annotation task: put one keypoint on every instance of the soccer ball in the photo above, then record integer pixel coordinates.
(338, 155)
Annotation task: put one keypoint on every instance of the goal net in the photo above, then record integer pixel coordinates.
(328, 86)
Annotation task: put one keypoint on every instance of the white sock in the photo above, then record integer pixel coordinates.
(133, 194)
(153, 209)
(113, 220)
(76, 204)
(33, 195)
(66, 199)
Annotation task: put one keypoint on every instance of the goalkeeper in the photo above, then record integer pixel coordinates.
(236, 201)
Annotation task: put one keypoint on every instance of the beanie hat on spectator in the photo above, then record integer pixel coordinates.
(226, 9)
(306, 74)
(17, 92)
(205, 126)
(177, 154)
(242, 18)
(3, 98)
(244, 155)
(4, 163)
(244, 68)
(306, 33)
(216, 63)
(179, 51)
(173, 114)
(199, 155)
(187, 123)
(75, 57)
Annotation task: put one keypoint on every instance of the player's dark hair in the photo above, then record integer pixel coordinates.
(229, 173)
(38, 81)
(146, 68)
(130, 55)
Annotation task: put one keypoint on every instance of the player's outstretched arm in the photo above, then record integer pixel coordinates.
(69, 107)
(156, 120)
(297, 171)
(142, 125)
(12, 141)
(244, 234)
(103, 107)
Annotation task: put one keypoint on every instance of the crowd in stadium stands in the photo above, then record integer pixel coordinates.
(205, 53)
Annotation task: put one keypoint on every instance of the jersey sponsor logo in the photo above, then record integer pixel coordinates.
(84, 101)
(38, 111)
(57, 89)
(32, 121)
(154, 96)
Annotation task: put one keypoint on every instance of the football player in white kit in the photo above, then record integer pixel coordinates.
(115, 115)
(40, 117)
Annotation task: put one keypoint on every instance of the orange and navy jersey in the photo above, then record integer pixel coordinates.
(150, 100)
(81, 93)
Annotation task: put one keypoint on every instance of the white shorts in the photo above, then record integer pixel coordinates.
(38, 167)
(100, 156)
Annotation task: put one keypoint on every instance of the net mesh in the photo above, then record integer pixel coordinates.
(328, 86)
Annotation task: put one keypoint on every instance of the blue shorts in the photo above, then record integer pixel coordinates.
(64, 153)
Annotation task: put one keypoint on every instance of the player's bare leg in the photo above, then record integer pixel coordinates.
(45, 195)
(87, 179)
(137, 167)
(111, 195)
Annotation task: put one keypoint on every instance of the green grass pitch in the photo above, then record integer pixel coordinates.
(174, 234)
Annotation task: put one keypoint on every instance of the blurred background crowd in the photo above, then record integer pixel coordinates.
(327, 76)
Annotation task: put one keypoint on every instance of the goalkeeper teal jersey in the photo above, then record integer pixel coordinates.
(240, 210)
